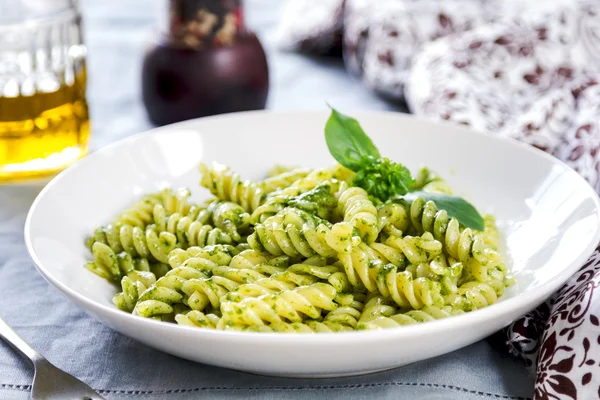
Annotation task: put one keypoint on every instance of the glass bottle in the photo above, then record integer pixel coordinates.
(206, 62)
(44, 121)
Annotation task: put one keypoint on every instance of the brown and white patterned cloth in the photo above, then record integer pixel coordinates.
(525, 70)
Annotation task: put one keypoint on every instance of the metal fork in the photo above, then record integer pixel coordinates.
(49, 382)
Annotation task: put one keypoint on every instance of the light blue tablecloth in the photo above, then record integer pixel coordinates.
(122, 368)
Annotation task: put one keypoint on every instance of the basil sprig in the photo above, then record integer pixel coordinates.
(384, 179)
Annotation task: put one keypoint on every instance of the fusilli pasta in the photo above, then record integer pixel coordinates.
(301, 251)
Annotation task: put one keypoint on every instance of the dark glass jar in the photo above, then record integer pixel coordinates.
(206, 63)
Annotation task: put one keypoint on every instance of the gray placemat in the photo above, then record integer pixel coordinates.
(118, 366)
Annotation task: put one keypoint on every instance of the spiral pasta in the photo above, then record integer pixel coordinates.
(283, 179)
(428, 181)
(279, 199)
(395, 250)
(296, 233)
(490, 234)
(228, 186)
(209, 255)
(461, 244)
(413, 249)
(187, 283)
(320, 201)
(148, 243)
(288, 305)
(132, 290)
(129, 231)
(144, 244)
(136, 278)
(190, 232)
(358, 210)
(473, 296)
(140, 213)
(259, 287)
(232, 219)
(364, 269)
(426, 314)
(198, 319)
(159, 298)
(204, 292)
(313, 270)
(316, 270)
(251, 259)
(393, 219)
(346, 316)
(447, 271)
(301, 251)
(279, 169)
(376, 306)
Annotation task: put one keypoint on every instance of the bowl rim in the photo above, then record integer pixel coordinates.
(522, 300)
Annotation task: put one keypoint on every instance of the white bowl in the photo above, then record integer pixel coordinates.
(548, 216)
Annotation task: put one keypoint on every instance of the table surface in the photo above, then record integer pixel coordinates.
(116, 33)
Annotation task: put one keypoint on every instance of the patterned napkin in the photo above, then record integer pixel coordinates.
(526, 70)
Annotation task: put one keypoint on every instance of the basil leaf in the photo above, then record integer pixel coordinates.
(347, 142)
(456, 207)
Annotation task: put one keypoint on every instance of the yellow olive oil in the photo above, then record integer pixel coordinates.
(44, 132)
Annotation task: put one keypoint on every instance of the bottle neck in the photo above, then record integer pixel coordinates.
(201, 24)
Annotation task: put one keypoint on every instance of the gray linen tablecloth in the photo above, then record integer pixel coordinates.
(119, 367)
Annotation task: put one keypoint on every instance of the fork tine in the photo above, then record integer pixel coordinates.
(50, 382)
